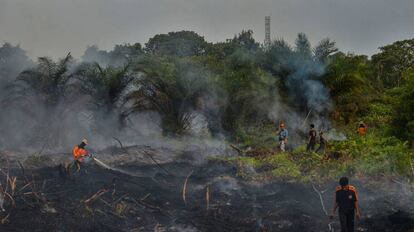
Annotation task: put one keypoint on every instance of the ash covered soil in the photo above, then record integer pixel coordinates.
(149, 197)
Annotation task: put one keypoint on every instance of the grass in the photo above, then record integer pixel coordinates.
(376, 154)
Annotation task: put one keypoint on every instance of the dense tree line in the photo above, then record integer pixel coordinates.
(232, 84)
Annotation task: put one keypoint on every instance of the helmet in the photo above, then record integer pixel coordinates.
(85, 141)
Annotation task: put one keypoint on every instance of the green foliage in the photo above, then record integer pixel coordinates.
(378, 115)
(393, 60)
(375, 154)
(347, 80)
(404, 108)
(303, 46)
(257, 138)
(249, 90)
(48, 80)
(172, 87)
(121, 55)
(105, 86)
(236, 84)
(181, 44)
(283, 165)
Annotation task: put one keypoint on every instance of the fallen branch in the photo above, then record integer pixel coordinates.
(23, 172)
(25, 186)
(11, 198)
(207, 197)
(401, 183)
(120, 144)
(321, 198)
(145, 197)
(145, 153)
(185, 187)
(5, 219)
(152, 158)
(151, 207)
(331, 229)
(119, 199)
(96, 196)
(240, 151)
(2, 202)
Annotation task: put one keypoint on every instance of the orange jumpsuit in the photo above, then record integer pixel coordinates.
(79, 154)
(362, 130)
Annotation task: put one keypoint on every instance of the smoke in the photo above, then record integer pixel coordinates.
(119, 56)
(302, 99)
(13, 60)
(308, 100)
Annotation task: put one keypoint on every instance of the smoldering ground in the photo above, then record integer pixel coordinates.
(150, 199)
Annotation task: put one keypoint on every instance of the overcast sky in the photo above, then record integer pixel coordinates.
(55, 27)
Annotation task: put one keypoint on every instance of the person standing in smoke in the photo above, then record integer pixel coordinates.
(283, 136)
(322, 143)
(346, 199)
(312, 138)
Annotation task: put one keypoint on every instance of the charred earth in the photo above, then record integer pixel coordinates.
(178, 195)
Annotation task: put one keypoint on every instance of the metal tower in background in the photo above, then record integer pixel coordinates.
(267, 31)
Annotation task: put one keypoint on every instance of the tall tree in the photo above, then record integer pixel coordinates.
(48, 81)
(106, 88)
(404, 109)
(348, 80)
(119, 56)
(393, 61)
(44, 93)
(181, 44)
(171, 87)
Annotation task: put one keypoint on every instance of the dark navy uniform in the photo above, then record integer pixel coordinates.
(346, 198)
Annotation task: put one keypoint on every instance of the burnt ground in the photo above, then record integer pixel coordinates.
(150, 199)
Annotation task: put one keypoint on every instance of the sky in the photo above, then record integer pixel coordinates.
(55, 27)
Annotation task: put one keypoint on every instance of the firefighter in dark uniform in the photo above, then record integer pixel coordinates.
(346, 199)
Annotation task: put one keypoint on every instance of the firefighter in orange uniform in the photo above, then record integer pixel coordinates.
(362, 129)
(79, 153)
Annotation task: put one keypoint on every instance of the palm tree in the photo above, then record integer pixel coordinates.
(171, 87)
(43, 93)
(47, 82)
(106, 88)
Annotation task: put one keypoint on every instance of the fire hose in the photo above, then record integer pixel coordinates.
(105, 166)
(100, 163)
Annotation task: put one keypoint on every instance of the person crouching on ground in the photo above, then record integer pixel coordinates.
(283, 137)
(346, 199)
(79, 153)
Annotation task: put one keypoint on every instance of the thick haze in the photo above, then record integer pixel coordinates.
(55, 27)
